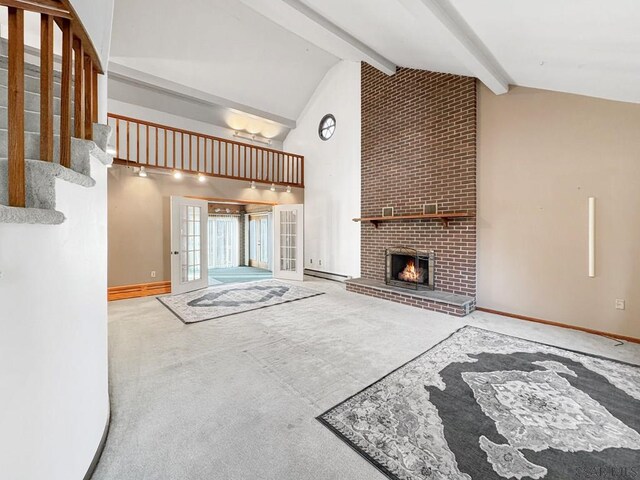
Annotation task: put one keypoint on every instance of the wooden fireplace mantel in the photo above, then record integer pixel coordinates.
(442, 217)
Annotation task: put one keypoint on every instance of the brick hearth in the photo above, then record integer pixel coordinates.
(418, 147)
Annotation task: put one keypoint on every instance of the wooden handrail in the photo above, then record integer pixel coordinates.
(190, 132)
(203, 154)
(81, 71)
(46, 7)
(60, 10)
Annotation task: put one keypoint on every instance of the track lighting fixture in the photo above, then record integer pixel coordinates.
(252, 137)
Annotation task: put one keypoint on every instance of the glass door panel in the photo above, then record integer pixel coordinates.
(188, 237)
(259, 241)
(288, 225)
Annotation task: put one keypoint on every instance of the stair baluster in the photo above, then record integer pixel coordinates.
(78, 87)
(65, 95)
(88, 98)
(17, 195)
(46, 88)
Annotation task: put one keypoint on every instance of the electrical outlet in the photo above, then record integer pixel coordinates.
(320, 262)
(153, 274)
(311, 260)
(619, 304)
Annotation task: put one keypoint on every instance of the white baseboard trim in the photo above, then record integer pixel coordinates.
(336, 277)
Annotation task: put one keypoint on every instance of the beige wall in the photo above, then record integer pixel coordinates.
(139, 223)
(541, 155)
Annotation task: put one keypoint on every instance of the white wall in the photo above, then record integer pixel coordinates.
(332, 173)
(97, 18)
(53, 343)
(223, 48)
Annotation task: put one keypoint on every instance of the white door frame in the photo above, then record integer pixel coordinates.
(259, 218)
(179, 249)
(288, 242)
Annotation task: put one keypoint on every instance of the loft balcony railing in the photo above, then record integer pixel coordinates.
(80, 67)
(147, 144)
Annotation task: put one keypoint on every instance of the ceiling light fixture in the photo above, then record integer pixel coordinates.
(201, 177)
(288, 188)
(142, 172)
(273, 187)
(253, 185)
(252, 137)
(177, 174)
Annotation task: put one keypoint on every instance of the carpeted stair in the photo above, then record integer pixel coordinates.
(41, 176)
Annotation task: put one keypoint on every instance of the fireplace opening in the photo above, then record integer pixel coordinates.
(410, 268)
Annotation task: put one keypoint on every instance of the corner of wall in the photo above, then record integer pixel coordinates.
(332, 172)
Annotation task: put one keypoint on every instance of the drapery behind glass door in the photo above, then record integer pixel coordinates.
(223, 241)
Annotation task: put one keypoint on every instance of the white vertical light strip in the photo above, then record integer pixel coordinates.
(592, 236)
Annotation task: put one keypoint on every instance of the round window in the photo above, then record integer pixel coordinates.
(327, 127)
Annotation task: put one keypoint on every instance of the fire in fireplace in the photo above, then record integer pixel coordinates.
(410, 268)
(411, 273)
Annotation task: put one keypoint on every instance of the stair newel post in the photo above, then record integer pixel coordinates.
(65, 94)
(78, 88)
(46, 88)
(15, 152)
(88, 98)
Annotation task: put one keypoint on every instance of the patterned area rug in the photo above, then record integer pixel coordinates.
(228, 299)
(481, 405)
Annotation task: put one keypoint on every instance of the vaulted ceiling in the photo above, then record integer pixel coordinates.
(270, 55)
(222, 48)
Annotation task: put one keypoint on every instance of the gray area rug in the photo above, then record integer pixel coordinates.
(228, 299)
(482, 405)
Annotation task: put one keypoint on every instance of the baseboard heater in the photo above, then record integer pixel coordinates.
(336, 277)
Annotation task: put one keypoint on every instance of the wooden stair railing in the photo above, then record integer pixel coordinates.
(80, 66)
(147, 144)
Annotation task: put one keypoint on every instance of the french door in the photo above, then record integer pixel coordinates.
(288, 242)
(224, 246)
(259, 241)
(188, 244)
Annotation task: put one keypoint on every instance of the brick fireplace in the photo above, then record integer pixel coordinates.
(419, 155)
